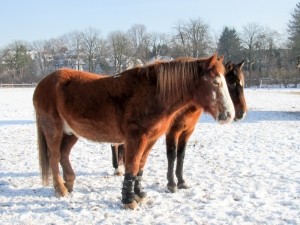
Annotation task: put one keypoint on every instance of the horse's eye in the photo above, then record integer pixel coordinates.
(231, 85)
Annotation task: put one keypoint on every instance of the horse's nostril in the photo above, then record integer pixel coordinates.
(240, 114)
(221, 117)
(224, 116)
(228, 115)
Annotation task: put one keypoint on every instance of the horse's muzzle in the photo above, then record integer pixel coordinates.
(225, 117)
(239, 115)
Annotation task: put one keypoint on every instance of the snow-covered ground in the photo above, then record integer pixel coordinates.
(243, 173)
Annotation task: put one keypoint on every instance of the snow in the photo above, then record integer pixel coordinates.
(242, 173)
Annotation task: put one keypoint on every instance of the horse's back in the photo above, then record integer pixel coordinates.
(50, 86)
(81, 103)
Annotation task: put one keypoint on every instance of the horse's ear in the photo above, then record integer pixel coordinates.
(229, 66)
(211, 61)
(241, 64)
(221, 58)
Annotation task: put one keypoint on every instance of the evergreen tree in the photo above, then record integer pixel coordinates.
(294, 31)
(229, 45)
(17, 60)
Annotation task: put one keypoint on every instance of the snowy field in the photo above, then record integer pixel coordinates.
(243, 173)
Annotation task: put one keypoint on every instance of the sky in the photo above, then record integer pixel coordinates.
(33, 20)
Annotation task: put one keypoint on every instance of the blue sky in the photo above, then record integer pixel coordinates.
(31, 20)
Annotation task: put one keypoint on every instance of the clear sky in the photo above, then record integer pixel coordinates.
(31, 20)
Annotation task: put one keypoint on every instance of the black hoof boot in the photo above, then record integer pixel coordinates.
(140, 195)
(128, 192)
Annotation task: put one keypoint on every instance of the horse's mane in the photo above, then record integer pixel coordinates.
(175, 78)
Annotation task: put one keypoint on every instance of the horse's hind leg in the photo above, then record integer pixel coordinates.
(171, 144)
(114, 153)
(66, 145)
(121, 159)
(121, 155)
(53, 134)
(117, 158)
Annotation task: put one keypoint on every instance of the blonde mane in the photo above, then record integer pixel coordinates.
(175, 79)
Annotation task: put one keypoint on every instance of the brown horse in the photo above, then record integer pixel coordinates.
(134, 107)
(183, 126)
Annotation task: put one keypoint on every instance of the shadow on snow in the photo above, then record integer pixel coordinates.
(259, 116)
(15, 122)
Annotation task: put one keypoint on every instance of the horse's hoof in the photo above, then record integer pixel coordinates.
(183, 186)
(69, 187)
(119, 172)
(132, 205)
(140, 199)
(61, 193)
(172, 189)
(60, 190)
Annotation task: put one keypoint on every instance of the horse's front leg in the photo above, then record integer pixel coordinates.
(140, 194)
(180, 159)
(134, 150)
(171, 156)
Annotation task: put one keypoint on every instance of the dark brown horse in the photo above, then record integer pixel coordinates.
(118, 157)
(183, 126)
(134, 107)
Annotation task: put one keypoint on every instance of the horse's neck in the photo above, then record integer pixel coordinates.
(120, 85)
(179, 105)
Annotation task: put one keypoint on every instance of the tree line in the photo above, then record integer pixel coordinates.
(269, 57)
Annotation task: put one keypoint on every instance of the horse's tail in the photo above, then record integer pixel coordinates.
(43, 156)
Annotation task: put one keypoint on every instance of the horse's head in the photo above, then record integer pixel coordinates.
(213, 93)
(235, 82)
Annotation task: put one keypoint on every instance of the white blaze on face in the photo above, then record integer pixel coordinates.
(228, 105)
(214, 95)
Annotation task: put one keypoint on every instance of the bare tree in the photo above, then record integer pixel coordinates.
(75, 45)
(251, 38)
(41, 60)
(55, 50)
(140, 42)
(180, 39)
(192, 38)
(121, 49)
(198, 34)
(91, 42)
(159, 44)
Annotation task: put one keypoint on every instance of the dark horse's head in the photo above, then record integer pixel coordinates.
(235, 82)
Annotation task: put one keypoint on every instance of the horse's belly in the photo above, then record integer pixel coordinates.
(94, 132)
